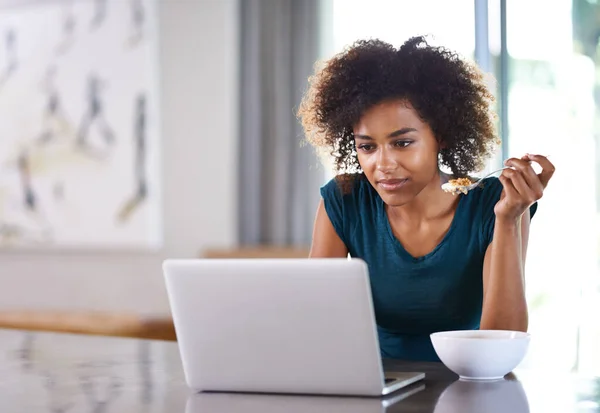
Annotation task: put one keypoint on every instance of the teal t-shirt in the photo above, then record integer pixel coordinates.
(416, 296)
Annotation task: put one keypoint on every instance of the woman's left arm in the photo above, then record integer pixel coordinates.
(504, 301)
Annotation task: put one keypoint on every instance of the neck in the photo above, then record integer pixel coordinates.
(429, 204)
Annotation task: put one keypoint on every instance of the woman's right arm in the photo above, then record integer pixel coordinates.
(326, 243)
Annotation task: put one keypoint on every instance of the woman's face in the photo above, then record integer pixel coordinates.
(397, 151)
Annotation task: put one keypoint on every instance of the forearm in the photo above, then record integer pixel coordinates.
(504, 302)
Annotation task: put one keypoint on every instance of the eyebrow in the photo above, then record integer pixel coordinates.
(394, 134)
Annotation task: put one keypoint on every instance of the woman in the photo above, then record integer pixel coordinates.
(390, 118)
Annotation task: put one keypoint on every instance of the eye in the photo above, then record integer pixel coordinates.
(402, 143)
(366, 147)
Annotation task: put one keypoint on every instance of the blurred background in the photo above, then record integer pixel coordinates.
(135, 130)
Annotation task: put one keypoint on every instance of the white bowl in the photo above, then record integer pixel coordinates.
(481, 354)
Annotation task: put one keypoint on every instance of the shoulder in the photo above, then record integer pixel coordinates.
(481, 202)
(346, 198)
(489, 191)
(487, 194)
(346, 188)
(483, 199)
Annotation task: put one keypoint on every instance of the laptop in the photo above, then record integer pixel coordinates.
(278, 326)
(207, 402)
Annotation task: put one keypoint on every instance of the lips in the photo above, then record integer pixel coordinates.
(391, 184)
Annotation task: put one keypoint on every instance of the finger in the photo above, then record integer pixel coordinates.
(525, 193)
(547, 168)
(509, 188)
(531, 178)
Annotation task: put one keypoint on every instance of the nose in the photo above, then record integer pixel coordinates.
(385, 160)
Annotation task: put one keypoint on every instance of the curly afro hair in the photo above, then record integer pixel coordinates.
(447, 92)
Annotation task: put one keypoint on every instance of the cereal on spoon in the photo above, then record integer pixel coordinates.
(454, 186)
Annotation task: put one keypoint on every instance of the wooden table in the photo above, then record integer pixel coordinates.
(68, 373)
(157, 327)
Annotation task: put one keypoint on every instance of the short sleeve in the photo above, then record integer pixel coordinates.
(333, 200)
(490, 195)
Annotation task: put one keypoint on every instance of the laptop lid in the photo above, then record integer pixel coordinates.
(275, 325)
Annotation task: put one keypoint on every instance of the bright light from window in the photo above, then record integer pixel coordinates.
(450, 23)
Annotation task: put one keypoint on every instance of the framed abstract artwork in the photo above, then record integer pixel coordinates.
(80, 125)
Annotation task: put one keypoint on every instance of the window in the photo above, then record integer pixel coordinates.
(552, 110)
(394, 21)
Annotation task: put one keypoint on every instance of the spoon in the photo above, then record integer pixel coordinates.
(454, 186)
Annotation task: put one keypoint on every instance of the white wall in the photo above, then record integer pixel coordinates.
(199, 84)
